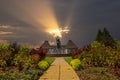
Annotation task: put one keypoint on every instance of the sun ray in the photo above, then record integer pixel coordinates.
(41, 15)
(59, 32)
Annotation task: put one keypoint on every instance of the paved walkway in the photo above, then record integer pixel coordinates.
(59, 70)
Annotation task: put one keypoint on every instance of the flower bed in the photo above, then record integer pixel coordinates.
(21, 63)
(98, 55)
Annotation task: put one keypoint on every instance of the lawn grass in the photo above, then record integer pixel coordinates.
(68, 59)
(50, 60)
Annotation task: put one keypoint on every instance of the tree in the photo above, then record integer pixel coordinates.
(99, 35)
(105, 37)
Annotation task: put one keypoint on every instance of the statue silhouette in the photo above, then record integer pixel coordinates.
(58, 42)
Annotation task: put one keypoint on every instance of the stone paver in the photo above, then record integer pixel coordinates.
(59, 70)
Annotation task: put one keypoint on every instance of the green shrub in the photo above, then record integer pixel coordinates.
(43, 65)
(23, 61)
(100, 55)
(3, 63)
(118, 63)
(28, 62)
(5, 47)
(24, 49)
(76, 64)
(6, 54)
(97, 44)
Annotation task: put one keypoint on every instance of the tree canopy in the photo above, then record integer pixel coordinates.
(105, 37)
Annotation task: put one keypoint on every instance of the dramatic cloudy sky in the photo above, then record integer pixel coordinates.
(26, 21)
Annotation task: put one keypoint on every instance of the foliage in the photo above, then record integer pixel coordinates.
(24, 64)
(16, 47)
(117, 45)
(118, 62)
(35, 57)
(13, 54)
(5, 54)
(31, 74)
(24, 49)
(18, 59)
(3, 63)
(40, 51)
(96, 73)
(76, 54)
(5, 57)
(5, 47)
(68, 59)
(28, 62)
(43, 65)
(23, 61)
(49, 60)
(35, 73)
(76, 64)
(97, 44)
(100, 55)
(105, 37)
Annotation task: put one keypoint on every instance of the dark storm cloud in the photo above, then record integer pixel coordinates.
(91, 15)
(87, 16)
(22, 31)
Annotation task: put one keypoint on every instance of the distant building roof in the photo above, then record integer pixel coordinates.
(54, 46)
(45, 45)
(71, 45)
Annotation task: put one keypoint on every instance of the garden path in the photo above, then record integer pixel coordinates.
(59, 70)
